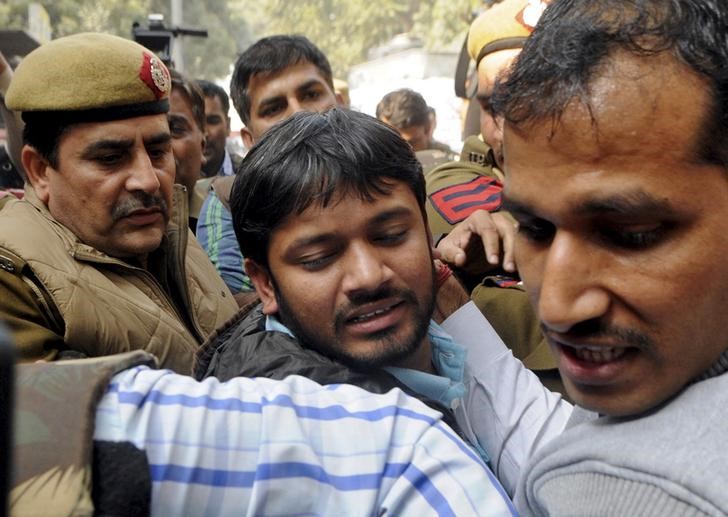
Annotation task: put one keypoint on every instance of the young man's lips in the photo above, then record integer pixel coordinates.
(375, 317)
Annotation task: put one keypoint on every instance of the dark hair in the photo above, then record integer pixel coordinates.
(404, 108)
(269, 56)
(575, 38)
(317, 158)
(43, 133)
(210, 89)
(193, 93)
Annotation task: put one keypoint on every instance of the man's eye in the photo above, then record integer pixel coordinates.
(312, 95)
(317, 262)
(391, 238)
(177, 130)
(536, 230)
(109, 159)
(635, 239)
(158, 154)
(271, 111)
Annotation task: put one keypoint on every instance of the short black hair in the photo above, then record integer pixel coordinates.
(43, 132)
(210, 89)
(575, 38)
(317, 158)
(189, 88)
(404, 108)
(271, 55)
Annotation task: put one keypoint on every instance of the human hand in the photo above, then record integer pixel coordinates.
(480, 239)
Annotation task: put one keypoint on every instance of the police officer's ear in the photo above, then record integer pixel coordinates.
(263, 282)
(37, 169)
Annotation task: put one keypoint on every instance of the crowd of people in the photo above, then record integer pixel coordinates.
(352, 319)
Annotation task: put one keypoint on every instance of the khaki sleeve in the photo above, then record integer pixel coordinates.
(20, 310)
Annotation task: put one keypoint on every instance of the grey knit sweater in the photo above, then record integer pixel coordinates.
(668, 462)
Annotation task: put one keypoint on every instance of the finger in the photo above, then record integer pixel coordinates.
(491, 244)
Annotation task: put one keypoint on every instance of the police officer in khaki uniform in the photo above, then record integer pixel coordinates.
(97, 258)
(457, 190)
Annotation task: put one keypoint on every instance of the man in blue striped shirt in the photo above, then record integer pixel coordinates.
(114, 436)
(292, 447)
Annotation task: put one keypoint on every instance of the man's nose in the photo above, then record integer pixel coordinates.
(364, 269)
(571, 291)
(143, 175)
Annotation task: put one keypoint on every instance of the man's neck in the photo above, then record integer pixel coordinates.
(421, 358)
(212, 169)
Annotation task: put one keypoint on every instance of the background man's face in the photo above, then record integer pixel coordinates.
(416, 136)
(490, 68)
(217, 128)
(188, 140)
(113, 184)
(353, 280)
(623, 235)
(275, 97)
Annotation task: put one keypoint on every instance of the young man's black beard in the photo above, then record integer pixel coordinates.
(396, 351)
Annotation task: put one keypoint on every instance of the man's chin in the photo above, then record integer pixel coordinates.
(379, 351)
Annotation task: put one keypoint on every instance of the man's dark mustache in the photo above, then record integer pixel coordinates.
(136, 201)
(599, 329)
(360, 298)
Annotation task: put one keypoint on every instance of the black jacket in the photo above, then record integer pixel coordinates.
(243, 348)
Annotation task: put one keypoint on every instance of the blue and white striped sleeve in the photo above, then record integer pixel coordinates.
(293, 447)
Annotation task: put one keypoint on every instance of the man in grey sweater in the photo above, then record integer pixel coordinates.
(616, 150)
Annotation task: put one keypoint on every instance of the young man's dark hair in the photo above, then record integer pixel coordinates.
(268, 56)
(404, 108)
(193, 92)
(210, 89)
(334, 153)
(556, 74)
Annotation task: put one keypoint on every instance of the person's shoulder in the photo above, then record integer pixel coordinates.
(458, 188)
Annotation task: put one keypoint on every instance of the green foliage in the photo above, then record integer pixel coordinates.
(210, 57)
(344, 29)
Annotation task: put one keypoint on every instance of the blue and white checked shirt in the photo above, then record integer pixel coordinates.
(292, 447)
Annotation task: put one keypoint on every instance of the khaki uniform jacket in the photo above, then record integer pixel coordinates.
(59, 294)
(53, 441)
(454, 191)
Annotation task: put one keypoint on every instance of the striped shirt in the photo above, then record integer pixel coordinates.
(293, 447)
(216, 235)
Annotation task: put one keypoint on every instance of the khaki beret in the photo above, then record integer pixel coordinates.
(90, 76)
(503, 26)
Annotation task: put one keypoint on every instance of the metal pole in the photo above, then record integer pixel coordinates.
(176, 21)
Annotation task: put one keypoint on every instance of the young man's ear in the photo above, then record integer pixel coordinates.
(263, 283)
(37, 169)
(247, 137)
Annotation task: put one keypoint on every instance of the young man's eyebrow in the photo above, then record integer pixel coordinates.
(270, 101)
(309, 84)
(390, 214)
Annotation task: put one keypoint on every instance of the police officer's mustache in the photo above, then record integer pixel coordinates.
(139, 201)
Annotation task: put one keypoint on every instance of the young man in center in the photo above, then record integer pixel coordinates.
(329, 212)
